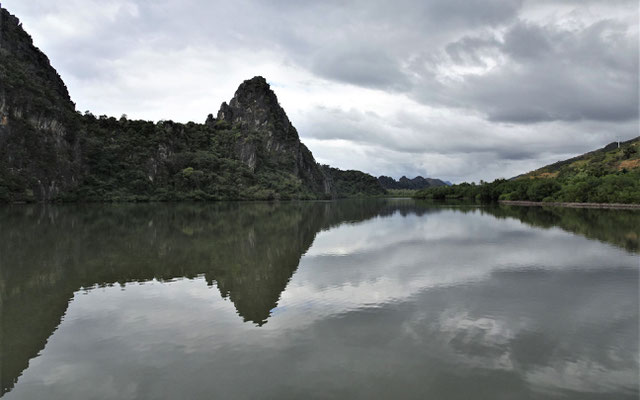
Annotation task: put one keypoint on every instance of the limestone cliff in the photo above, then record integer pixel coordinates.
(39, 147)
(255, 110)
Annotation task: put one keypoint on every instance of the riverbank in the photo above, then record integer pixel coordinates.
(570, 205)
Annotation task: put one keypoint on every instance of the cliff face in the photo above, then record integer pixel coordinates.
(39, 146)
(50, 152)
(254, 109)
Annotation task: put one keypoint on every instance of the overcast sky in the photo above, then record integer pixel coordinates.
(453, 89)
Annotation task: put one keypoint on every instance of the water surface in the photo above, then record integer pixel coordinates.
(349, 299)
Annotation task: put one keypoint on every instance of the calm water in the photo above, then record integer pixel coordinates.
(375, 299)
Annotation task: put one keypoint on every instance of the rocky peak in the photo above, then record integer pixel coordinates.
(255, 112)
(27, 60)
(255, 107)
(225, 113)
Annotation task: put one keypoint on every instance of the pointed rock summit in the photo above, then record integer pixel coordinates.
(265, 128)
(255, 106)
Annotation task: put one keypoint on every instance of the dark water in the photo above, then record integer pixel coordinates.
(371, 299)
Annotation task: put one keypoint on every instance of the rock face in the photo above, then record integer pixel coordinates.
(254, 110)
(39, 146)
(416, 183)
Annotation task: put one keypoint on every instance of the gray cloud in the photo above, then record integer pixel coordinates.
(366, 67)
(464, 89)
(470, 147)
(560, 75)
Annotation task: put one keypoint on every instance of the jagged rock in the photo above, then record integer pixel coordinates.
(225, 113)
(255, 111)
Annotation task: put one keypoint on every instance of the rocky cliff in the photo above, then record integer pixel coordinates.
(50, 152)
(255, 109)
(39, 146)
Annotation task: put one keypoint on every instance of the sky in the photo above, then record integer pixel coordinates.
(460, 90)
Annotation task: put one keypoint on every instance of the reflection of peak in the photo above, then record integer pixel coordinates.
(249, 250)
(264, 258)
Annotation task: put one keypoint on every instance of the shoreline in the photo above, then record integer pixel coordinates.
(570, 205)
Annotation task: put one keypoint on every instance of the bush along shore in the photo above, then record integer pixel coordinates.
(570, 205)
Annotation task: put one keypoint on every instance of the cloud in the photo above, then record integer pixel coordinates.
(428, 142)
(365, 66)
(460, 90)
(553, 74)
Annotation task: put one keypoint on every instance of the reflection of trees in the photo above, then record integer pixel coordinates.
(250, 250)
(618, 227)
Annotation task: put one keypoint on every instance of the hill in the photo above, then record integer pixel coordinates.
(416, 183)
(607, 175)
(50, 152)
(612, 158)
(353, 183)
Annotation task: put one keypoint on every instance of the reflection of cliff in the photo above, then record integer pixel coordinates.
(249, 250)
(618, 227)
(253, 265)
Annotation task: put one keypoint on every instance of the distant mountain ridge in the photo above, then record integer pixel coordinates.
(51, 152)
(416, 183)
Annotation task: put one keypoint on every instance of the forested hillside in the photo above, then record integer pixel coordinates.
(405, 183)
(607, 175)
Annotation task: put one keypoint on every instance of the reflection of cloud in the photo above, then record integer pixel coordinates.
(391, 259)
(583, 376)
(489, 331)
(480, 342)
(450, 299)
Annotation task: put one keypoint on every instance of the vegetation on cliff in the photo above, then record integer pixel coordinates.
(353, 183)
(607, 175)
